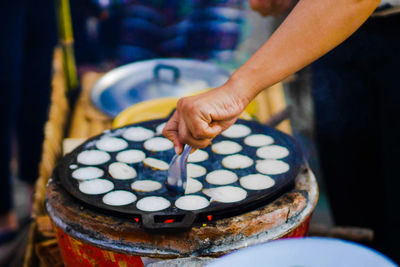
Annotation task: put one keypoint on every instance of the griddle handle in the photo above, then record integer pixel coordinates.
(149, 222)
(174, 69)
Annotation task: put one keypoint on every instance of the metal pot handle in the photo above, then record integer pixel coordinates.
(159, 67)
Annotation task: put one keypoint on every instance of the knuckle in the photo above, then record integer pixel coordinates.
(198, 133)
(190, 107)
(181, 103)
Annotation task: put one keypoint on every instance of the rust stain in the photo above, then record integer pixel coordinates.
(124, 234)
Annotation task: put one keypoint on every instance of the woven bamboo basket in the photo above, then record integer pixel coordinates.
(86, 121)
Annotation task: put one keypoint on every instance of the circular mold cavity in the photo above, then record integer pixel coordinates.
(96, 186)
(156, 164)
(195, 171)
(256, 182)
(153, 203)
(119, 198)
(157, 144)
(87, 173)
(272, 167)
(236, 131)
(160, 128)
(237, 161)
(192, 186)
(191, 202)
(137, 134)
(131, 156)
(111, 144)
(272, 152)
(93, 157)
(257, 140)
(198, 156)
(121, 171)
(146, 186)
(221, 177)
(226, 194)
(226, 147)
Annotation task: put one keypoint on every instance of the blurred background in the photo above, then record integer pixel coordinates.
(111, 33)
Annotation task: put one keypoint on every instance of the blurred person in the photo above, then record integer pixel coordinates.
(356, 102)
(28, 35)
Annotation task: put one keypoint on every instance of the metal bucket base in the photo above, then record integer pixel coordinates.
(78, 254)
(89, 238)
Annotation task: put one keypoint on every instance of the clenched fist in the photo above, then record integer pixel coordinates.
(198, 119)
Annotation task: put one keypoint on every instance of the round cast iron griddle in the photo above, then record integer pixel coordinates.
(183, 219)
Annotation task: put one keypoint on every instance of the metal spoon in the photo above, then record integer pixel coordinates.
(177, 172)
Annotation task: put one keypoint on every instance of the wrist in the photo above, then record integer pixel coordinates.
(241, 89)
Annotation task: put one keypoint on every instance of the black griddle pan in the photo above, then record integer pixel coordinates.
(183, 219)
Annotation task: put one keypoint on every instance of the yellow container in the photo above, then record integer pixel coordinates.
(161, 108)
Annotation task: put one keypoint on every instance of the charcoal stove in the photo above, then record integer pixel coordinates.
(90, 233)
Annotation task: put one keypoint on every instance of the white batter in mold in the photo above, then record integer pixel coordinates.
(111, 144)
(191, 202)
(226, 147)
(272, 152)
(93, 157)
(137, 134)
(226, 194)
(119, 198)
(146, 185)
(195, 171)
(236, 131)
(198, 156)
(158, 144)
(87, 173)
(160, 128)
(272, 167)
(131, 156)
(153, 203)
(96, 186)
(237, 161)
(257, 140)
(221, 177)
(192, 186)
(156, 164)
(256, 182)
(121, 171)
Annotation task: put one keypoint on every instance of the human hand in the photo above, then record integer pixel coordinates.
(272, 7)
(198, 119)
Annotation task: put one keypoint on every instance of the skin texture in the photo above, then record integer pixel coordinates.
(272, 7)
(313, 28)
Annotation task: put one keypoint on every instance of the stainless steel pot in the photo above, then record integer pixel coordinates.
(144, 80)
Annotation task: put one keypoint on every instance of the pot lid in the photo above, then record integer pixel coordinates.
(144, 80)
(311, 252)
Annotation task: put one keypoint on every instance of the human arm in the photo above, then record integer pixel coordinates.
(272, 7)
(313, 28)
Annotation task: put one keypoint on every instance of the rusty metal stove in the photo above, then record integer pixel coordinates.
(88, 237)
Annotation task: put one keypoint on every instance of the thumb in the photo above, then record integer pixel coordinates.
(213, 129)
